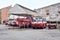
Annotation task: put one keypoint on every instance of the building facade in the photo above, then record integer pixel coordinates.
(51, 13)
(4, 14)
(21, 10)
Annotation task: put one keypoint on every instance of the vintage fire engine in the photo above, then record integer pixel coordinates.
(38, 23)
(24, 22)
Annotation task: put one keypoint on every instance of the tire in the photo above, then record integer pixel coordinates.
(44, 27)
(49, 28)
(19, 26)
(37, 27)
(34, 28)
(41, 28)
(30, 26)
(55, 28)
(6, 24)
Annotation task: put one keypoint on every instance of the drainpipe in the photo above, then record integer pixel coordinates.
(0, 16)
(57, 20)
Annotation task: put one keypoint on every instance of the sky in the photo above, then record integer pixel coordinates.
(32, 4)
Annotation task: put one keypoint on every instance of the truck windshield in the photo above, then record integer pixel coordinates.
(38, 20)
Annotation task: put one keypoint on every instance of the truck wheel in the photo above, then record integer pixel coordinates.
(37, 27)
(49, 28)
(44, 27)
(41, 28)
(30, 26)
(33, 27)
(55, 28)
(6, 24)
(19, 26)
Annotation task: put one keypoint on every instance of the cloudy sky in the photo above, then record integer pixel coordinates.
(32, 4)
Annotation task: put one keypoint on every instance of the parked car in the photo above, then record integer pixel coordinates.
(52, 25)
(38, 23)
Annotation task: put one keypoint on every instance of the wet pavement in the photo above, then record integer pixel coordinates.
(28, 34)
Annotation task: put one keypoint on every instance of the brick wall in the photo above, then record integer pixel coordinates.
(4, 13)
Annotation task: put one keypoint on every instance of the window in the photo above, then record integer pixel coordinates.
(47, 10)
(59, 12)
(47, 13)
(37, 20)
(58, 7)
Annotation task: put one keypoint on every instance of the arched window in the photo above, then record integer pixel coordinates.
(47, 13)
(59, 12)
(59, 9)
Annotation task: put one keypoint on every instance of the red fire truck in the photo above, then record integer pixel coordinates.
(24, 22)
(52, 24)
(34, 22)
(38, 23)
(52, 21)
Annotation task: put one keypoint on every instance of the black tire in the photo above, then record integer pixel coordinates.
(6, 24)
(41, 28)
(19, 27)
(44, 27)
(30, 26)
(33, 27)
(55, 28)
(37, 27)
(49, 28)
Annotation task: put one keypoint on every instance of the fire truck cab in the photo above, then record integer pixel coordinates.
(38, 23)
(24, 22)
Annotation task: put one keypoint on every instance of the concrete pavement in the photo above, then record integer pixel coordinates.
(29, 34)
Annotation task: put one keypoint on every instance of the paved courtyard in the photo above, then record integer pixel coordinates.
(28, 34)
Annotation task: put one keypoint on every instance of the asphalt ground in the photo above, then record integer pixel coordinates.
(13, 33)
